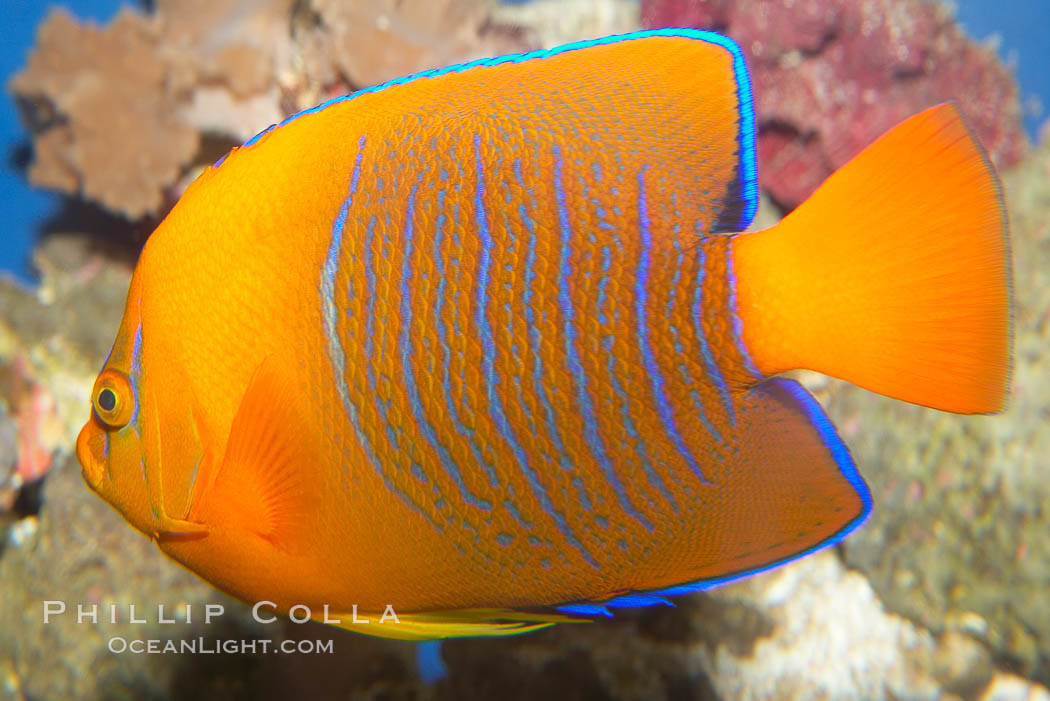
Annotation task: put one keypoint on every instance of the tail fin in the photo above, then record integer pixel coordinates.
(895, 275)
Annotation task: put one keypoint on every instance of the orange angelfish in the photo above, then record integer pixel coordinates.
(481, 344)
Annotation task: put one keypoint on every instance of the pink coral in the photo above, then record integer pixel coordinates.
(35, 419)
(831, 75)
(34, 457)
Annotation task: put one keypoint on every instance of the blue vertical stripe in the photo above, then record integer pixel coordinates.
(685, 361)
(628, 423)
(738, 331)
(135, 375)
(381, 406)
(446, 349)
(535, 340)
(710, 365)
(488, 362)
(411, 386)
(135, 378)
(652, 368)
(336, 354)
(638, 442)
(583, 397)
(370, 306)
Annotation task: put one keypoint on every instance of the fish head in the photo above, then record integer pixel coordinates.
(140, 448)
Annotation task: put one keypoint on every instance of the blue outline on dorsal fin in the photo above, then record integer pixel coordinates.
(842, 458)
(745, 138)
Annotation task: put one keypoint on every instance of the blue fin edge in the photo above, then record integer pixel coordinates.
(745, 138)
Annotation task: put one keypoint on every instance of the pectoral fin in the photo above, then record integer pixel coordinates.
(259, 485)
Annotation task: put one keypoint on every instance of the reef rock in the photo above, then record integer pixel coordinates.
(958, 537)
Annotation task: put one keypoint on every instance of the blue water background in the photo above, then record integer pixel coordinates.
(1021, 25)
(23, 208)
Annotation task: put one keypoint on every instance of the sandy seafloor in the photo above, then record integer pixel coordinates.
(943, 594)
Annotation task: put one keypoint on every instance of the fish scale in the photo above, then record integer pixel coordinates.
(502, 269)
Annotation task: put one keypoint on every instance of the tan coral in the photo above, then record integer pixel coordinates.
(116, 139)
(248, 68)
(51, 166)
(118, 112)
(378, 40)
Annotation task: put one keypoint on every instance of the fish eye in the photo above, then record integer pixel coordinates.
(112, 399)
(107, 400)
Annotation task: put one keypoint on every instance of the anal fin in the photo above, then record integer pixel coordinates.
(794, 487)
(790, 489)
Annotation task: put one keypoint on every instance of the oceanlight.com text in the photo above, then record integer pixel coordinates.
(211, 646)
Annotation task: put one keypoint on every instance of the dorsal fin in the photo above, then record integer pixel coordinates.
(695, 80)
